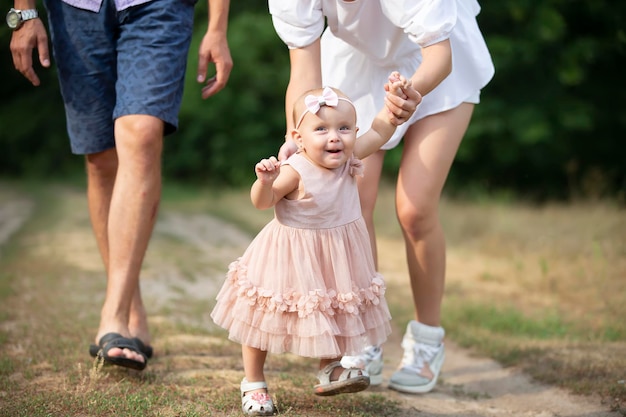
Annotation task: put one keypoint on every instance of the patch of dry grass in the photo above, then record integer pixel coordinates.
(540, 288)
(51, 290)
(554, 277)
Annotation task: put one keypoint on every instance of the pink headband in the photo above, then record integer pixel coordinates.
(313, 103)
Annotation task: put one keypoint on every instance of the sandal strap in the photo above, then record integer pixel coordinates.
(256, 403)
(350, 380)
(250, 386)
(324, 374)
(347, 373)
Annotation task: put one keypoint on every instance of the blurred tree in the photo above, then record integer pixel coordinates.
(32, 120)
(221, 139)
(550, 124)
(552, 121)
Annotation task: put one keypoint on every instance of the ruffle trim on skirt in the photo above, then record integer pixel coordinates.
(327, 301)
(319, 324)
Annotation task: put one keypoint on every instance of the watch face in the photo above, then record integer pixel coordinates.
(13, 19)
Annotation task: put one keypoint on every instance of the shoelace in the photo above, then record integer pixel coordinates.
(363, 359)
(417, 355)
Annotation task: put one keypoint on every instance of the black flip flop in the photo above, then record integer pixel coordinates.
(116, 340)
(143, 348)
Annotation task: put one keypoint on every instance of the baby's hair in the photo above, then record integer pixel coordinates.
(300, 108)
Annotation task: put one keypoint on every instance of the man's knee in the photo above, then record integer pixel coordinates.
(139, 137)
(138, 131)
(102, 165)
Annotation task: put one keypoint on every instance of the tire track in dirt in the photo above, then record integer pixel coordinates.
(14, 212)
(188, 259)
(469, 386)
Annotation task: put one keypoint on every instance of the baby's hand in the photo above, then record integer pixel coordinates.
(402, 99)
(396, 84)
(267, 170)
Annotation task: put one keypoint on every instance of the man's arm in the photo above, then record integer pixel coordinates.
(214, 48)
(31, 35)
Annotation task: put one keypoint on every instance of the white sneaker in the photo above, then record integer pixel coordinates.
(422, 360)
(370, 360)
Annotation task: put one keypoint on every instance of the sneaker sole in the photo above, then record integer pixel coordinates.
(418, 389)
(421, 389)
(376, 379)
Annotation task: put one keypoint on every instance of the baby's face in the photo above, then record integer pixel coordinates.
(328, 136)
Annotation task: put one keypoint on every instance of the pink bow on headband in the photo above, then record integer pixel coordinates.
(313, 103)
(328, 98)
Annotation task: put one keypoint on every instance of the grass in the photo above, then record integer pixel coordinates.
(542, 289)
(525, 284)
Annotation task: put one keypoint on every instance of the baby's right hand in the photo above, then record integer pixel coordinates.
(396, 83)
(267, 170)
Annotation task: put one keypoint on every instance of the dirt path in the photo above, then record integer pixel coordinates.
(469, 386)
(480, 387)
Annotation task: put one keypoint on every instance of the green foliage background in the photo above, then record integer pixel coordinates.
(551, 124)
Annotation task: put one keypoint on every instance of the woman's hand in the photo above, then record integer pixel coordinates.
(287, 149)
(402, 99)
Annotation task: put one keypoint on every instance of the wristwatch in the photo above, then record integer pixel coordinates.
(15, 18)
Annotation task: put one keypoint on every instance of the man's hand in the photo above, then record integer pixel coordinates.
(214, 48)
(31, 35)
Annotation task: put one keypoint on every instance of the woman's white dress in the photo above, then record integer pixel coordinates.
(363, 41)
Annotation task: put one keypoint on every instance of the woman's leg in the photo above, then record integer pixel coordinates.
(430, 146)
(371, 358)
(368, 191)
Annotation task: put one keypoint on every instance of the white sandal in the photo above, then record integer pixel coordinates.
(350, 380)
(255, 403)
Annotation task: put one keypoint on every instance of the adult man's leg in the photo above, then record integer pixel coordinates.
(148, 93)
(124, 227)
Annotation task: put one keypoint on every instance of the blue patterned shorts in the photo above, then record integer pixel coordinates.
(112, 64)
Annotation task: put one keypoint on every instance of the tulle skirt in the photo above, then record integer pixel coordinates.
(311, 292)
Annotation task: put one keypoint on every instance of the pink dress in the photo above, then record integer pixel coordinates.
(307, 282)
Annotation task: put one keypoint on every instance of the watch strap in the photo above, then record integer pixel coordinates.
(29, 14)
